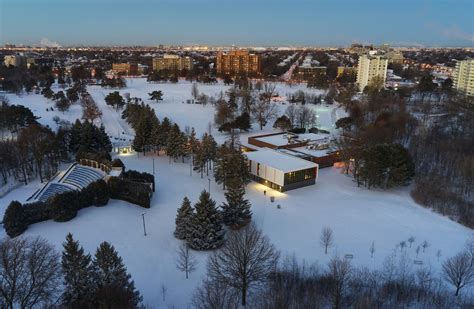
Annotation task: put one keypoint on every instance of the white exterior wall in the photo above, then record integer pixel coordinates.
(268, 173)
(464, 77)
(370, 67)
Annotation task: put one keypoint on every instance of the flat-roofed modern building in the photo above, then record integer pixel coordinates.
(238, 62)
(463, 79)
(369, 68)
(280, 171)
(172, 63)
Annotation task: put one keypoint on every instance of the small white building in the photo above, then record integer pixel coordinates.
(281, 171)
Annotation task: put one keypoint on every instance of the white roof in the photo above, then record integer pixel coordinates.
(281, 139)
(279, 161)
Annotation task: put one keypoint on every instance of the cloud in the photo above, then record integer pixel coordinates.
(454, 32)
(451, 32)
(48, 43)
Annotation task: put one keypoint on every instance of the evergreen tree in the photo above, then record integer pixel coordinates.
(156, 95)
(231, 165)
(199, 159)
(386, 165)
(236, 211)
(142, 136)
(193, 143)
(77, 270)
(115, 289)
(183, 219)
(14, 220)
(205, 231)
(209, 150)
(175, 144)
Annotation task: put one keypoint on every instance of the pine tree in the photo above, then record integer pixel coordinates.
(115, 289)
(193, 143)
(236, 211)
(199, 159)
(77, 270)
(205, 230)
(183, 219)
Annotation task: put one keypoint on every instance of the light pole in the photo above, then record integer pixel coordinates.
(209, 188)
(153, 160)
(191, 169)
(144, 227)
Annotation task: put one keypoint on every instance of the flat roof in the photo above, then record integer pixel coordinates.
(279, 161)
(282, 140)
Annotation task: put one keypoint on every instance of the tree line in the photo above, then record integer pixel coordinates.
(248, 271)
(33, 274)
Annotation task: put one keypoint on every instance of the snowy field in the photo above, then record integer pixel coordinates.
(357, 216)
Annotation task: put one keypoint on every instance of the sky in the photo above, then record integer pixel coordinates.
(240, 22)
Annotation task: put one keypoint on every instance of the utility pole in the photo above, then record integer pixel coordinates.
(144, 227)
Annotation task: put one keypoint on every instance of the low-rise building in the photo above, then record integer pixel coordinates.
(346, 70)
(125, 68)
(15, 60)
(172, 63)
(307, 73)
(280, 171)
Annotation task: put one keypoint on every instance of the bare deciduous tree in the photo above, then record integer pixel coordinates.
(411, 240)
(247, 258)
(425, 245)
(194, 91)
(214, 294)
(327, 239)
(459, 271)
(306, 117)
(340, 272)
(263, 112)
(292, 114)
(90, 110)
(372, 249)
(30, 273)
(185, 260)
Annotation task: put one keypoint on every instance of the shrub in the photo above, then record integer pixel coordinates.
(64, 206)
(298, 130)
(136, 176)
(97, 193)
(36, 212)
(14, 221)
(133, 192)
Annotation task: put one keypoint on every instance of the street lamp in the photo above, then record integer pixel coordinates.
(144, 227)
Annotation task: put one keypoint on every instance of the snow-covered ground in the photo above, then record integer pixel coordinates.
(357, 216)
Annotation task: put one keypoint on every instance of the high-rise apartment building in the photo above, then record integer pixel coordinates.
(369, 67)
(463, 79)
(238, 61)
(172, 63)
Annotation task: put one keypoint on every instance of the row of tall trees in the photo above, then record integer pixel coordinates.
(33, 274)
(247, 271)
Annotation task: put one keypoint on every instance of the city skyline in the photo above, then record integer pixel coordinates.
(257, 23)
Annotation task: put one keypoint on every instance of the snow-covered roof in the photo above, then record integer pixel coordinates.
(282, 139)
(279, 161)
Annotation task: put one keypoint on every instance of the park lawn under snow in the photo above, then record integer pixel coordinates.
(357, 216)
